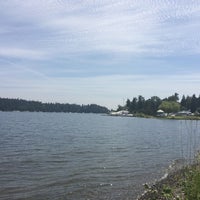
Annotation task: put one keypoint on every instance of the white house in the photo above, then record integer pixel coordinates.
(121, 113)
(161, 113)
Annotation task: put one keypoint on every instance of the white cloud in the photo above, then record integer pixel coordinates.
(137, 27)
(11, 52)
(43, 38)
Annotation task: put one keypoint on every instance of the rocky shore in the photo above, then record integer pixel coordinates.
(180, 184)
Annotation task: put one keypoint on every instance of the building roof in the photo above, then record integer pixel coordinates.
(160, 111)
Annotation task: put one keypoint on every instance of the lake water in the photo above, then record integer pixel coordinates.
(87, 156)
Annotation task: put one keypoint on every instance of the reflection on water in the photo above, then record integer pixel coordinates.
(87, 156)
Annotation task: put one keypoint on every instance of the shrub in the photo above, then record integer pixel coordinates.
(192, 184)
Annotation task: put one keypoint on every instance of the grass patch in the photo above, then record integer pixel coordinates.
(183, 117)
(191, 186)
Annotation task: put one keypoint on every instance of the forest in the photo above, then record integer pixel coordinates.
(171, 104)
(7, 104)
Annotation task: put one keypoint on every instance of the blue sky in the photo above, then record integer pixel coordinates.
(101, 51)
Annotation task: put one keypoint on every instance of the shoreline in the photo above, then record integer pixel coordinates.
(156, 117)
(174, 185)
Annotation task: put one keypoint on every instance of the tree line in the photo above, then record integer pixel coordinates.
(7, 104)
(171, 104)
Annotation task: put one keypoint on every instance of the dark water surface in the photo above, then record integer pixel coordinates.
(87, 156)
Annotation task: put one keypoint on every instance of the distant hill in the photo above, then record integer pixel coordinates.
(7, 104)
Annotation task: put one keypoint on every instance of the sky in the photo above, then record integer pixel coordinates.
(99, 51)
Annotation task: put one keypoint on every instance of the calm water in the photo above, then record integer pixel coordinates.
(87, 156)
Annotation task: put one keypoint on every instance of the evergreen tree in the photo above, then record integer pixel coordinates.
(188, 102)
(134, 105)
(36, 106)
(183, 103)
(193, 106)
(128, 104)
(173, 97)
(141, 103)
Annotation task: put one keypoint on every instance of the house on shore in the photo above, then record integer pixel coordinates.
(122, 113)
(161, 113)
(184, 113)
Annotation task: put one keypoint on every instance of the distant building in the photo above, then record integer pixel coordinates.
(123, 113)
(161, 113)
(183, 113)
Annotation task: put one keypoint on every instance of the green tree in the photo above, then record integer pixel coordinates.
(173, 97)
(151, 105)
(193, 106)
(120, 108)
(141, 103)
(170, 106)
(23, 105)
(188, 102)
(183, 103)
(134, 105)
(128, 104)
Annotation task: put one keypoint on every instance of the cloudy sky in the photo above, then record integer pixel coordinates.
(99, 51)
